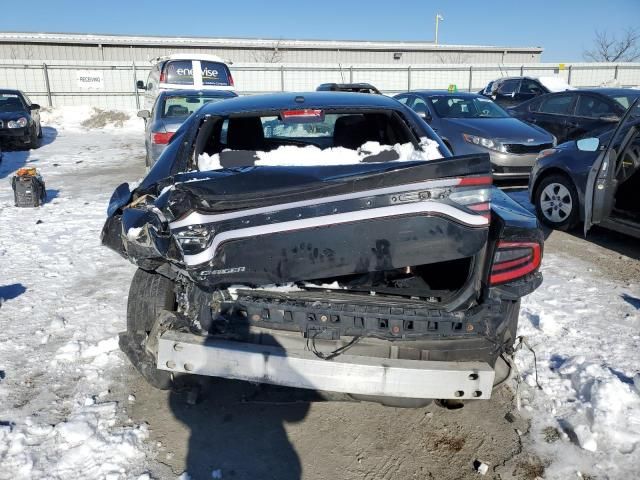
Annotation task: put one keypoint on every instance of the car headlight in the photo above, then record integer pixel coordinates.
(485, 142)
(19, 123)
(546, 152)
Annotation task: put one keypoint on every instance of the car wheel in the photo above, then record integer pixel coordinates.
(556, 202)
(34, 139)
(147, 159)
(40, 134)
(149, 294)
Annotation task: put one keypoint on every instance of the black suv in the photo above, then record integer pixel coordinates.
(383, 268)
(510, 91)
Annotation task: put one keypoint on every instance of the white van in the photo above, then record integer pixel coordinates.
(185, 71)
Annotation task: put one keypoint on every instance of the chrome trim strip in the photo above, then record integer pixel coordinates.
(427, 207)
(196, 218)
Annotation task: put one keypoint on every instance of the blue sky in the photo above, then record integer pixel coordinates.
(563, 28)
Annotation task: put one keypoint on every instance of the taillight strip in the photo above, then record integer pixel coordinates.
(534, 258)
(482, 180)
(510, 264)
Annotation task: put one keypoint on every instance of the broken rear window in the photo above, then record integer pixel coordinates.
(309, 137)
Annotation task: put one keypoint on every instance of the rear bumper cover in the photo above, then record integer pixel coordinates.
(188, 353)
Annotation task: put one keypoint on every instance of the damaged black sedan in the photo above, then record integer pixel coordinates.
(326, 241)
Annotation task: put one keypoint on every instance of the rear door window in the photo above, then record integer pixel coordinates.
(557, 105)
(592, 107)
(179, 72)
(214, 73)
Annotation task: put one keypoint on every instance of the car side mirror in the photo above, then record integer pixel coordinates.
(34, 106)
(588, 144)
(140, 85)
(144, 114)
(425, 116)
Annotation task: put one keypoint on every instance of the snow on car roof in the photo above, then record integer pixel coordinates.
(555, 83)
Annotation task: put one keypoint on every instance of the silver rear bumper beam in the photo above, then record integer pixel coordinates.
(187, 353)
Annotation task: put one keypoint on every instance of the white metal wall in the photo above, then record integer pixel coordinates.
(84, 52)
(56, 83)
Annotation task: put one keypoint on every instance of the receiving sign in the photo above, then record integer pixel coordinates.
(90, 79)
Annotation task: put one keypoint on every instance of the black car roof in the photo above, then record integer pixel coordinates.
(8, 90)
(432, 93)
(297, 101)
(611, 91)
(193, 93)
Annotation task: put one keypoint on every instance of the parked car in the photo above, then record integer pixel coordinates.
(510, 91)
(186, 71)
(19, 119)
(594, 180)
(385, 269)
(348, 87)
(577, 114)
(170, 110)
(470, 123)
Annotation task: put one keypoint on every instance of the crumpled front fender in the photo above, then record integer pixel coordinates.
(139, 231)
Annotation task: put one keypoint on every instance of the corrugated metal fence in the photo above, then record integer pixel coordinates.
(59, 83)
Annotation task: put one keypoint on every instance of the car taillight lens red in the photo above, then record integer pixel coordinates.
(162, 77)
(160, 138)
(514, 260)
(231, 81)
(477, 197)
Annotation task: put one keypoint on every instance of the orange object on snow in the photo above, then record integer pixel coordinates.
(27, 172)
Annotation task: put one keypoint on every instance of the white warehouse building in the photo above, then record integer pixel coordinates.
(53, 47)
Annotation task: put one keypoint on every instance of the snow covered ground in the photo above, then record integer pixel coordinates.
(64, 302)
(585, 331)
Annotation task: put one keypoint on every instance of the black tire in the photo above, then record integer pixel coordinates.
(564, 215)
(34, 139)
(147, 158)
(149, 294)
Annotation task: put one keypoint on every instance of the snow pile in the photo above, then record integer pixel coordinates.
(290, 155)
(86, 445)
(85, 118)
(555, 83)
(586, 334)
(60, 413)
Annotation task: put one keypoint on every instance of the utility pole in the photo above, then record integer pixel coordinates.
(438, 19)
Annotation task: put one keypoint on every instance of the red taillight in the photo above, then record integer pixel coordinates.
(481, 180)
(514, 260)
(231, 80)
(161, 138)
(162, 77)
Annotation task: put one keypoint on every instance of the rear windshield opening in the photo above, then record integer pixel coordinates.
(180, 72)
(310, 137)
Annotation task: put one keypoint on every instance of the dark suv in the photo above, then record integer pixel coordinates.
(339, 249)
(510, 91)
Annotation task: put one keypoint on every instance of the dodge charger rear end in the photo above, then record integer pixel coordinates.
(326, 241)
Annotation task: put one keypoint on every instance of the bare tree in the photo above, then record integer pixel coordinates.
(273, 55)
(609, 48)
